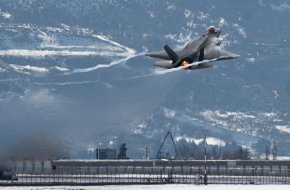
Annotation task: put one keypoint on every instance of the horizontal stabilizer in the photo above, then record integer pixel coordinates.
(171, 53)
(159, 54)
(164, 64)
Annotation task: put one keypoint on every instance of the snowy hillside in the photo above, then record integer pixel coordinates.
(74, 76)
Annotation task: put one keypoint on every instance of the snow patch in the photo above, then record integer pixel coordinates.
(251, 60)
(180, 38)
(202, 16)
(6, 15)
(188, 13)
(222, 22)
(271, 115)
(225, 115)
(171, 7)
(197, 141)
(139, 129)
(276, 95)
(2, 70)
(187, 139)
(215, 141)
(191, 24)
(240, 30)
(283, 128)
(169, 113)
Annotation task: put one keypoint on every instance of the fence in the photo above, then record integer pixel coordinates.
(143, 175)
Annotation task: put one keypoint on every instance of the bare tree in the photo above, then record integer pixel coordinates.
(274, 151)
(267, 152)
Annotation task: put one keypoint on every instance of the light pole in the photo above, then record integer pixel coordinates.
(205, 164)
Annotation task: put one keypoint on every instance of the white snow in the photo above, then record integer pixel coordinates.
(156, 187)
(139, 128)
(202, 16)
(188, 13)
(244, 122)
(179, 38)
(276, 94)
(171, 7)
(198, 141)
(191, 24)
(209, 140)
(283, 128)
(270, 114)
(169, 113)
(187, 139)
(240, 30)
(251, 60)
(2, 70)
(215, 141)
(222, 22)
(6, 15)
(219, 114)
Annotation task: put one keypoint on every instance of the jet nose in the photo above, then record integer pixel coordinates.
(211, 29)
(214, 30)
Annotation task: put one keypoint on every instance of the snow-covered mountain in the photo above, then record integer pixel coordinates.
(74, 75)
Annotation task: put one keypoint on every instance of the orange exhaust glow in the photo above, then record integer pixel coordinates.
(185, 64)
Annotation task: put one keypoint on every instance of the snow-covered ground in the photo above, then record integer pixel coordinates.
(156, 187)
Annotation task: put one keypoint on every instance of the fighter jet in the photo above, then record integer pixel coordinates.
(201, 51)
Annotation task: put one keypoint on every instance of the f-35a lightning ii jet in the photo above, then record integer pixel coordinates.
(207, 47)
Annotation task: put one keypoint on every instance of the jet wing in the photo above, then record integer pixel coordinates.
(218, 53)
(213, 50)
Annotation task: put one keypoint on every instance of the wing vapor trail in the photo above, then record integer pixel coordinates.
(162, 72)
(113, 63)
(154, 73)
(72, 83)
(166, 71)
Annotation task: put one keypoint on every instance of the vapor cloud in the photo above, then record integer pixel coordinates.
(113, 63)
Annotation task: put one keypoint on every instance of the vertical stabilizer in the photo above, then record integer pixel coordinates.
(201, 54)
(171, 53)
